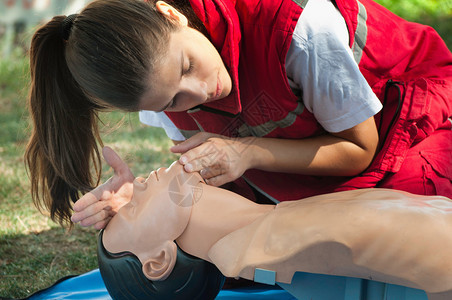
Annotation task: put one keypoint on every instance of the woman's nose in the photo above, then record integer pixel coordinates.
(195, 89)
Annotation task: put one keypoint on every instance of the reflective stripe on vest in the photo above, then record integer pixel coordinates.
(301, 3)
(267, 127)
(360, 33)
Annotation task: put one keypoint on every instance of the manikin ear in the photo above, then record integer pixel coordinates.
(171, 13)
(158, 266)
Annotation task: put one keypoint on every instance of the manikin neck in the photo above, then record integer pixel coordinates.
(216, 214)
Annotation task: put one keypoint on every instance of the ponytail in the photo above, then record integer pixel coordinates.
(64, 138)
(102, 61)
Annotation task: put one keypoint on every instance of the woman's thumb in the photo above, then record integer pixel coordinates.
(192, 142)
(114, 161)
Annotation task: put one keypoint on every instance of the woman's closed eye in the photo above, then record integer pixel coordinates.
(190, 68)
(173, 103)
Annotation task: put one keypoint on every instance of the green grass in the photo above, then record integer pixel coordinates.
(35, 252)
(435, 13)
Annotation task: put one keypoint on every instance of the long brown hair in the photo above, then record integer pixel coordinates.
(104, 63)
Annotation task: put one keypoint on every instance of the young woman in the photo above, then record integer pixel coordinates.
(290, 87)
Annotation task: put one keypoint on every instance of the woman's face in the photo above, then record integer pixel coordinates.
(191, 73)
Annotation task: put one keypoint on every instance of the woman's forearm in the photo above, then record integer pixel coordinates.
(344, 154)
(322, 155)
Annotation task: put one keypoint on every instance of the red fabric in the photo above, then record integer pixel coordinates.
(422, 124)
(260, 31)
(427, 168)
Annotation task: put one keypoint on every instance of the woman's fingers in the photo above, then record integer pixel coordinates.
(218, 160)
(192, 142)
(203, 156)
(201, 162)
(98, 218)
(212, 171)
(96, 207)
(119, 166)
(84, 212)
(91, 198)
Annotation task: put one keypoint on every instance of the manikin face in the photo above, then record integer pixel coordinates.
(191, 72)
(157, 215)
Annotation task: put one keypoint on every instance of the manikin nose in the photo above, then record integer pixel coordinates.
(139, 183)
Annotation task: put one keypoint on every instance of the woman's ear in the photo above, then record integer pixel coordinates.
(159, 265)
(171, 13)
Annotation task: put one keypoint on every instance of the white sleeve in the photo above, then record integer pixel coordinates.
(160, 119)
(321, 64)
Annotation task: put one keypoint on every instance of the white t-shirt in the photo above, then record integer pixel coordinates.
(320, 64)
(160, 119)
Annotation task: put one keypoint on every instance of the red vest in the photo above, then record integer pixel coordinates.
(253, 38)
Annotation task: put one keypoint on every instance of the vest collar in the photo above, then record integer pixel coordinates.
(222, 23)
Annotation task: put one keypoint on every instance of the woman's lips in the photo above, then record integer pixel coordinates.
(219, 87)
(218, 90)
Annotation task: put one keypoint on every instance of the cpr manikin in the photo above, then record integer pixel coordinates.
(386, 235)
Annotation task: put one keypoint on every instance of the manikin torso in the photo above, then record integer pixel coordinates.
(386, 235)
(377, 234)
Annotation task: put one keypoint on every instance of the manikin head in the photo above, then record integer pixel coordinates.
(137, 253)
(156, 216)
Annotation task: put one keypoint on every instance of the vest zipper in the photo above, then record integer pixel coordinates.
(390, 84)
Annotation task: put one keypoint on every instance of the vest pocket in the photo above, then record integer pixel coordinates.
(438, 156)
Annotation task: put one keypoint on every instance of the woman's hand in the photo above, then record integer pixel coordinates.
(101, 204)
(217, 158)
